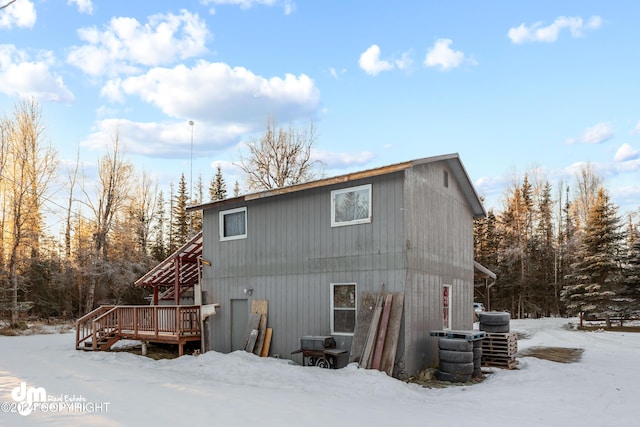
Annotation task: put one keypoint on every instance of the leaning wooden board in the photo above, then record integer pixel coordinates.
(365, 313)
(393, 333)
(267, 342)
(260, 306)
(372, 333)
(252, 324)
(382, 332)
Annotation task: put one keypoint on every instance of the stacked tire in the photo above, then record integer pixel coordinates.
(456, 360)
(495, 322)
(477, 359)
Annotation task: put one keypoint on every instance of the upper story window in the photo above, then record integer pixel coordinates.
(233, 224)
(351, 205)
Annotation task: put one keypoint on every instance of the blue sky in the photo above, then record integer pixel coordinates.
(513, 87)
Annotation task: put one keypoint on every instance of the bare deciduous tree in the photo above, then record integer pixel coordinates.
(7, 4)
(587, 182)
(143, 205)
(111, 195)
(29, 168)
(280, 157)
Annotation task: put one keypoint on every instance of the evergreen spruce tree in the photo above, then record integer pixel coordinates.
(218, 187)
(542, 251)
(631, 291)
(596, 275)
(159, 247)
(566, 248)
(180, 217)
(195, 217)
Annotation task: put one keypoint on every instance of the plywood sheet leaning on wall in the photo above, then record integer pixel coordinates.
(261, 307)
(251, 333)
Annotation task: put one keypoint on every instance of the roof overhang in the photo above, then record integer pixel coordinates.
(452, 160)
(482, 272)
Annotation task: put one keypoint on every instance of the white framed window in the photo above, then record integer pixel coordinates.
(233, 224)
(351, 205)
(446, 307)
(343, 308)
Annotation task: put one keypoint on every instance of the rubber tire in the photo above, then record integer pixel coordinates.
(455, 356)
(477, 352)
(477, 373)
(454, 344)
(494, 318)
(457, 368)
(453, 378)
(323, 363)
(495, 329)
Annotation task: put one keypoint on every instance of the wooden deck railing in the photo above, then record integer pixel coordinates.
(105, 325)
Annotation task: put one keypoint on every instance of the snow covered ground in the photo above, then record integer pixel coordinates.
(239, 389)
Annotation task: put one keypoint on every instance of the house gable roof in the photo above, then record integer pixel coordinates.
(452, 160)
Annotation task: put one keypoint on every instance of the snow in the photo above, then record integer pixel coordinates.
(240, 389)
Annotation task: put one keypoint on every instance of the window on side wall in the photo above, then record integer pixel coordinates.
(351, 205)
(343, 308)
(446, 307)
(233, 224)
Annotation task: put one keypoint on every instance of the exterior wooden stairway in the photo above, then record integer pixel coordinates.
(107, 324)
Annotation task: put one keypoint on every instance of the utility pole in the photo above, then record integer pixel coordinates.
(191, 123)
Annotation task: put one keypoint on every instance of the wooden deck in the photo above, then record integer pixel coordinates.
(170, 324)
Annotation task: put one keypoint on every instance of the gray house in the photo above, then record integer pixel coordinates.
(408, 226)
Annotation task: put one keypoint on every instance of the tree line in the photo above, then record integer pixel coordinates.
(116, 227)
(560, 255)
(554, 252)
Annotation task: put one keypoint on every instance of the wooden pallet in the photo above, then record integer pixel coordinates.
(500, 350)
(499, 362)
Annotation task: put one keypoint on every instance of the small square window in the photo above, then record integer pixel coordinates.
(233, 224)
(351, 206)
(343, 308)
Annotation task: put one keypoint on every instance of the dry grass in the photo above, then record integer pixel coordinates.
(36, 328)
(554, 354)
(634, 328)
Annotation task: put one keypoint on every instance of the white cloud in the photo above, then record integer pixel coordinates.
(229, 102)
(371, 63)
(341, 160)
(335, 73)
(441, 55)
(636, 129)
(125, 44)
(20, 14)
(288, 5)
(537, 33)
(625, 153)
(405, 62)
(84, 6)
(165, 140)
(23, 76)
(596, 134)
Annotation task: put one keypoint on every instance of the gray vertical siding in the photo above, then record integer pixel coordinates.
(421, 237)
(292, 254)
(439, 251)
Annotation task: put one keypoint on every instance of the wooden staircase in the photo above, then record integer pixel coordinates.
(107, 324)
